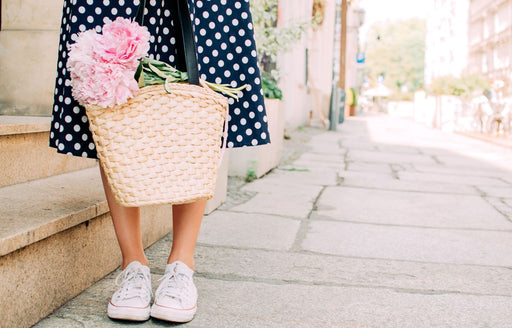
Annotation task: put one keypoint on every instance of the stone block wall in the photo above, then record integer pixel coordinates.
(29, 39)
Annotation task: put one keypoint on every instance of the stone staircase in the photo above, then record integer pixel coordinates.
(56, 235)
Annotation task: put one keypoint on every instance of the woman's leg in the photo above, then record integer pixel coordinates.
(127, 227)
(186, 223)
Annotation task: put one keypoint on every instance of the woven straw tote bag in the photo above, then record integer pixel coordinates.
(159, 147)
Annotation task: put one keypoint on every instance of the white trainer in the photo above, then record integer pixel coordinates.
(131, 301)
(176, 297)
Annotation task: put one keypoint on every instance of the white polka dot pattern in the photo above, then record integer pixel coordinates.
(226, 53)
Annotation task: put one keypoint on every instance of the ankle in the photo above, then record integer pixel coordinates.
(188, 261)
(127, 261)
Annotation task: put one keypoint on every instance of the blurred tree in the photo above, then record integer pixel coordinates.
(468, 85)
(396, 51)
(273, 40)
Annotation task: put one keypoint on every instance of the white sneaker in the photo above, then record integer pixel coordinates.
(131, 300)
(176, 297)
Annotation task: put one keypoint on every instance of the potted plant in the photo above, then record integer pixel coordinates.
(353, 102)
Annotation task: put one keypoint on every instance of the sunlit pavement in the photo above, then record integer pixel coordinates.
(384, 223)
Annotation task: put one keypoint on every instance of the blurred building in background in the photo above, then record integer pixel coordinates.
(447, 39)
(490, 38)
(307, 67)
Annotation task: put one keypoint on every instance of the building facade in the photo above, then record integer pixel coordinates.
(309, 64)
(490, 39)
(447, 39)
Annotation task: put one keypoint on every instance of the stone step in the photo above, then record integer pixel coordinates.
(24, 151)
(56, 239)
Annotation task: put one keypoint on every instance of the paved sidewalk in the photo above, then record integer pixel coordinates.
(382, 224)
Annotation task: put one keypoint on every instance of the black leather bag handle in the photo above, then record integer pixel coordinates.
(184, 35)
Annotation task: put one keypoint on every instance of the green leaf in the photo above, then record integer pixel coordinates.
(166, 85)
(139, 76)
(157, 71)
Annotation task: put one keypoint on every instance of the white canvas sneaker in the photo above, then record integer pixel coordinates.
(131, 301)
(176, 297)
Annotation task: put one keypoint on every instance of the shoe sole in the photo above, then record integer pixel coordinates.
(128, 313)
(171, 314)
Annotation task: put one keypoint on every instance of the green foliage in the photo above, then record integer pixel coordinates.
(396, 50)
(154, 72)
(353, 98)
(319, 11)
(466, 85)
(270, 88)
(447, 85)
(251, 172)
(271, 39)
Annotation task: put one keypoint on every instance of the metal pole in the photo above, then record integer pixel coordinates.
(343, 45)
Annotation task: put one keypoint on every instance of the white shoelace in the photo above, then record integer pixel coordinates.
(177, 286)
(134, 283)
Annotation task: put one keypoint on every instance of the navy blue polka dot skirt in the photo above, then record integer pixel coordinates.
(226, 53)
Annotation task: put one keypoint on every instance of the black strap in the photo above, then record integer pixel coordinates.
(184, 35)
(139, 18)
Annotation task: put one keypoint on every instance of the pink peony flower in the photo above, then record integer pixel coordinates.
(84, 49)
(102, 84)
(102, 66)
(123, 42)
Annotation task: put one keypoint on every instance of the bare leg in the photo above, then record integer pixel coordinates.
(186, 223)
(127, 227)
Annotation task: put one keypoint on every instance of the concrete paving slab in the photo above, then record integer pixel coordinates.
(462, 147)
(280, 183)
(508, 202)
(263, 304)
(255, 304)
(371, 180)
(388, 157)
(328, 148)
(329, 158)
(471, 180)
(502, 192)
(410, 209)
(327, 141)
(406, 243)
(217, 262)
(331, 166)
(397, 149)
(369, 167)
(354, 144)
(455, 179)
(460, 171)
(507, 178)
(53, 322)
(297, 176)
(502, 205)
(248, 230)
(284, 200)
(402, 167)
(465, 162)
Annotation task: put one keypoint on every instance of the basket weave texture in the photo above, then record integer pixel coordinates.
(159, 147)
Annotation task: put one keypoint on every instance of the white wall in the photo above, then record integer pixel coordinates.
(299, 96)
(292, 64)
(321, 47)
